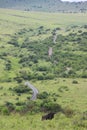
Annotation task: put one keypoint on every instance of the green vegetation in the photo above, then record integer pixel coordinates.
(61, 78)
(68, 100)
(45, 5)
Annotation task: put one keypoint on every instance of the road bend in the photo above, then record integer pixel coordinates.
(35, 91)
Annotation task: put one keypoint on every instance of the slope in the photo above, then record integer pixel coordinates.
(44, 5)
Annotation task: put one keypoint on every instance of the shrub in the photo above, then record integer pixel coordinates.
(18, 79)
(41, 27)
(1, 87)
(14, 42)
(79, 31)
(19, 109)
(84, 115)
(84, 75)
(21, 89)
(43, 95)
(40, 76)
(20, 103)
(68, 111)
(48, 105)
(49, 76)
(8, 66)
(75, 82)
(62, 88)
(43, 66)
(10, 106)
(5, 111)
(85, 26)
(22, 107)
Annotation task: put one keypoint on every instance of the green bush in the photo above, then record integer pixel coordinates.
(5, 111)
(43, 95)
(63, 88)
(20, 103)
(21, 89)
(14, 42)
(10, 106)
(39, 76)
(8, 66)
(68, 111)
(84, 115)
(84, 75)
(49, 76)
(18, 79)
(48, 105)
(75, 82)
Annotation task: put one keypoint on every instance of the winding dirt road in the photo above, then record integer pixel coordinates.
(35, 91)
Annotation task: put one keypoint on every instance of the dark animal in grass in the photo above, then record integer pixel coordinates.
(48, 116)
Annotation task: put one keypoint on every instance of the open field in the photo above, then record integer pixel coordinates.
(35, 19)
(61, 79)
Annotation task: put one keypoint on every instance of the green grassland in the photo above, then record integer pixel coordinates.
(61, 79)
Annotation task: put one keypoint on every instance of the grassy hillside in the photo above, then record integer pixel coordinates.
(44, 5)
(26, 38)
(60, 76)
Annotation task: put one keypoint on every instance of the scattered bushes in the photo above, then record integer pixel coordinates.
(34, 54)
